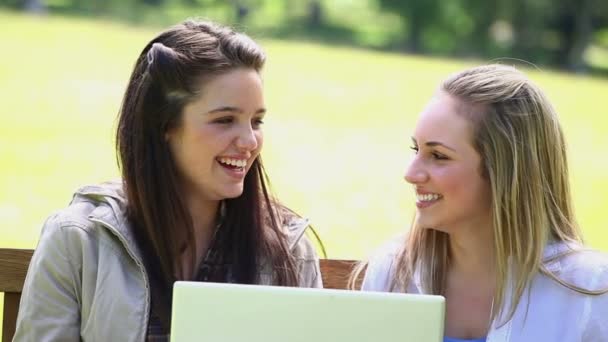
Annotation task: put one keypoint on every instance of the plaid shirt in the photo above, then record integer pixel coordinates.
(213, 268)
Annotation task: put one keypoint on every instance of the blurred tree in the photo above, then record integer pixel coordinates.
(484, 14)
(12, 3)
(34, 6)
(578, 21)
(556, 33)
(315, 14)
(416, 15)
(242, 8)
(241, 12)
(85, 6)
(153, 2)
(576, 30)
(540, 31)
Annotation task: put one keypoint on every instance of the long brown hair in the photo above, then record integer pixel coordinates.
(163, 81)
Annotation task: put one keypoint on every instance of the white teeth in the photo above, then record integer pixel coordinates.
(427, 197)
(234, 162)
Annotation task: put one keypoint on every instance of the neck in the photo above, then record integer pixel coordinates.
(204, 217)
(204, 214)
(472, 252)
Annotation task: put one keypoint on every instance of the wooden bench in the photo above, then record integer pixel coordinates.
(14, 263)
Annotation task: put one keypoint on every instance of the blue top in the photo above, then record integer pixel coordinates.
(449, 339)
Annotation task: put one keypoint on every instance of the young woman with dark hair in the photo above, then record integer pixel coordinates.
(193, 202)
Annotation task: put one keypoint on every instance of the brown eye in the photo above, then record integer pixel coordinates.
(258, 122)
(224, 120)
(439, 156)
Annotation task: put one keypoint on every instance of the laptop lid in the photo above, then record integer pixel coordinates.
(254, 313)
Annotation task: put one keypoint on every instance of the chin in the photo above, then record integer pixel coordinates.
(423, 222)
(232, 193)
(430, 224)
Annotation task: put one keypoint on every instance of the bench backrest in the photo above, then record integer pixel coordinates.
(14, 263)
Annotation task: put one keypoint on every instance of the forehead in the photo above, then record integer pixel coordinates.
(239, 89)
(239, 83)
(233, 78)
(442, 120)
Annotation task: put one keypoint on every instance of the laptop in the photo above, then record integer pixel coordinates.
(215, 312)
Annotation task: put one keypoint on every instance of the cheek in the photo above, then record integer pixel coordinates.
(466, 186)
(199, 147)
(452, 180)
(259, 136)
(458, 187)
(211, 138)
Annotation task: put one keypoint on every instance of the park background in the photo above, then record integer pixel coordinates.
(344, 83)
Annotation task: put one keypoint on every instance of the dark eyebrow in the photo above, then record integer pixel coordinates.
(433, 144)
(233, 110)
(225, 109)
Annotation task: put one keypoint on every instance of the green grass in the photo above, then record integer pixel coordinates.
(337, 133)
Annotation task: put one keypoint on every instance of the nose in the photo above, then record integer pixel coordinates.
(247, 139)
(415, 172)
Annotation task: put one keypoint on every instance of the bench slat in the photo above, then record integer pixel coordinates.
(9, 319)
(13, 267)
(336, 273)
(14, 263)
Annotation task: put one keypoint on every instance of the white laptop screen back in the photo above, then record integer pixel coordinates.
(216, 312)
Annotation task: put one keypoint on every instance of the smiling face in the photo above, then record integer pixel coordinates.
(450, 190)
(219, 135)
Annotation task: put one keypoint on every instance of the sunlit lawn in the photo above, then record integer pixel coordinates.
(337, 133)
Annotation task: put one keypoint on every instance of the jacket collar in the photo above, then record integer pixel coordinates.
(554, 249)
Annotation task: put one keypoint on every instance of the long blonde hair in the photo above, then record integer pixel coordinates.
(523, 152)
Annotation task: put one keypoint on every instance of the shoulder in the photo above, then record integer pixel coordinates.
(598, 308)
(380, 268)
(578, 265)
(78, 213)
(66, 239)
(78, 223)
(68, 225)
(587, 270)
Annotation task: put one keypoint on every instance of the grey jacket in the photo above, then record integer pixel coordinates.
(86, 280)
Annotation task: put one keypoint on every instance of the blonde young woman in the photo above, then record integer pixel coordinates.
(494, 231)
